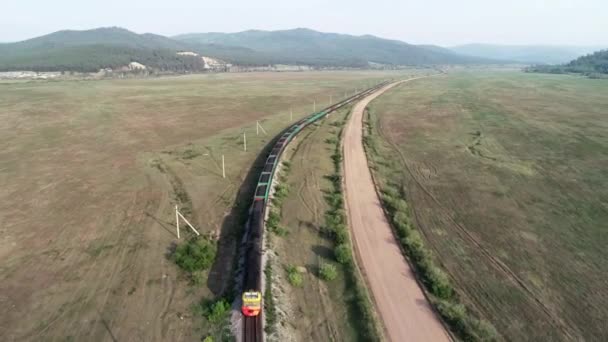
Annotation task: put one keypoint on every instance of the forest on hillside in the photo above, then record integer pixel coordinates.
(594, 65)
(92, 58)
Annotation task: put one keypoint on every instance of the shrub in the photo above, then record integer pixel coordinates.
(269, 307)
(484, 330)
(215, 312)
(196, 254)
(402, 223)
(390, 192)
(337, 158)
(440, 284)
(452, 312)
(328, 272)
(273, 218)
(415, 247)
(335, 217)
(336, 232)
(294, 277)
(471, 329)
(278, 230)
(401, 206)
(208, 339)
(281, 191)
(343, 253)
(340, 234)
(198, 277)
(335, 199)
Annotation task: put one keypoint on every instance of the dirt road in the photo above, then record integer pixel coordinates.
(405, 312)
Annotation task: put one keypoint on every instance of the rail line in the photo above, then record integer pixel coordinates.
(252, 325)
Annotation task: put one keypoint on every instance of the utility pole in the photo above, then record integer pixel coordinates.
(176, 222)
(258, 126)
(244, 141)
(223, 168)
(177, 216)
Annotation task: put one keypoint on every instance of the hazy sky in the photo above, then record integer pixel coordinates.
(442, 22)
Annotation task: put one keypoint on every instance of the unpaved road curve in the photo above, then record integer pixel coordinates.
(403, 308)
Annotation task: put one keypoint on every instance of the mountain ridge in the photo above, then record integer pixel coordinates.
(113, 47)
(306, 46)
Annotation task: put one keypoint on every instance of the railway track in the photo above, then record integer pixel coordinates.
(252, 329)
(252, 325)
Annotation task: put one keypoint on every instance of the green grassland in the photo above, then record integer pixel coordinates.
(505, 177)
(90, 172)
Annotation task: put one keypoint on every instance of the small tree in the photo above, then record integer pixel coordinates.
(197, 254)
(217, 311)
(343, 254)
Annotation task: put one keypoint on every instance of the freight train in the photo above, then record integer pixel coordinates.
(252, 295)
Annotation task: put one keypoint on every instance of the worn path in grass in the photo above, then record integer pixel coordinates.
(405, 312)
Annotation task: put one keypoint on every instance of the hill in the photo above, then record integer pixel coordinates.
(91, 50)
(532, 54)
(304, 46)
(593, 65)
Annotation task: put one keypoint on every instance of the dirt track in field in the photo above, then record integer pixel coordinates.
(399, 300)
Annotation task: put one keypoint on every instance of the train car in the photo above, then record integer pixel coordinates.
(252, 297)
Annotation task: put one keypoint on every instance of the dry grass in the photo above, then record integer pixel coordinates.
(89, 173)
(505, 176)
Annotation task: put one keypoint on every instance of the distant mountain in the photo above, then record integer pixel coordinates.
(529, 54)
(113, 47)
(92, 50)
(594, 65)
(304, 46)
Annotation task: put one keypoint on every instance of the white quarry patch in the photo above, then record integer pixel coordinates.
(187, 53)
(136, 66)
(212, 63)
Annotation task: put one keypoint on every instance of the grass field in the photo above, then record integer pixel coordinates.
(89, 174)
(505, 175)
